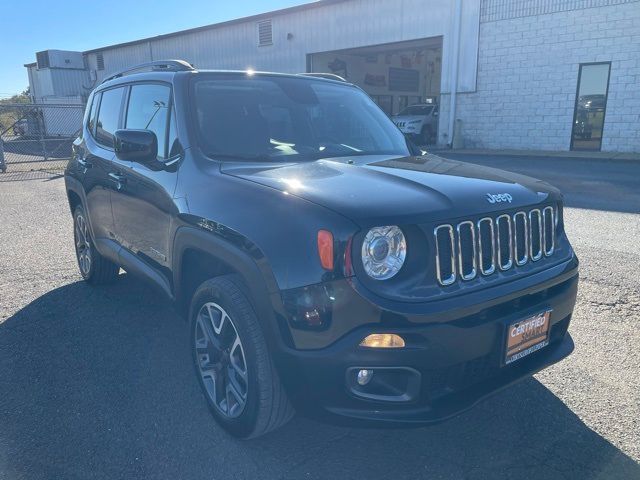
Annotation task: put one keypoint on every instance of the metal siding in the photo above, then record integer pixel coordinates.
(335, 26)
(70, 82)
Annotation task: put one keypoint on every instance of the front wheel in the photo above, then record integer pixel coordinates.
(94, 268)
(426, 135)
(232, 362)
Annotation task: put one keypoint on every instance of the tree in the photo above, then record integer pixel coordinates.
(10, 115)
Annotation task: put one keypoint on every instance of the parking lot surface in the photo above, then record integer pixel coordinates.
(97, 382)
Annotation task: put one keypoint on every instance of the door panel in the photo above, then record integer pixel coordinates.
(143, 207)
(96, 165)
(143, 210)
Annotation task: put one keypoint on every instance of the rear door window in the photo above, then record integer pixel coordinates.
(109, 116)
(91, 120)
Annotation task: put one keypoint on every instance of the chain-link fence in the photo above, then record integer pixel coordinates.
(37, 137)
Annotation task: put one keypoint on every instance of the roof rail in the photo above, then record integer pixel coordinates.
(326, 76)
(159, 65)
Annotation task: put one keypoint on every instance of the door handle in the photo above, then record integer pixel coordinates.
(118, 179)
(84, 163)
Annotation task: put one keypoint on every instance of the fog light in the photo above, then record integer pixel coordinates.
(364, 376)
(383, 340)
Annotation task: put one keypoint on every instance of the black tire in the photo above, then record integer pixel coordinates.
(100, 270)
(425, 135)
(266, 406)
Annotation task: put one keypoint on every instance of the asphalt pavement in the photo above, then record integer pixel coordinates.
(97, 382)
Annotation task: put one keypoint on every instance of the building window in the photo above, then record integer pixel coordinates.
(590, 106)
(100, 61)
(385, 102)
(265, 33)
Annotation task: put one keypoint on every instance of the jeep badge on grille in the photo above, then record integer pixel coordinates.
(499, 198)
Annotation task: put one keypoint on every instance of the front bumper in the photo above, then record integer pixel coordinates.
(457, 362)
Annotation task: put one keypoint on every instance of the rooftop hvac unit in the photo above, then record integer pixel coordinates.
(59, 59)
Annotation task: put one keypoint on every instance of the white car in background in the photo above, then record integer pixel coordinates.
(419, 122)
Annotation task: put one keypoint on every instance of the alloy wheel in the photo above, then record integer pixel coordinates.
(221, 361)
(83, 244)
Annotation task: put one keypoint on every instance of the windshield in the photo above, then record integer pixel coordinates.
(275, 118)
(417, 110)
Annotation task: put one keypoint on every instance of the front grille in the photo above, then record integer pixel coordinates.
(467, 249)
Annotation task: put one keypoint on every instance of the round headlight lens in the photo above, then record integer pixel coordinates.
(383, 252)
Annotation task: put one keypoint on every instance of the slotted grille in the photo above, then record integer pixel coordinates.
(265, 33)
(535, 235)
(486, 246)
(520, 238)
(502, 242)
(549, 223)
(42, 59)
(100, 61)
(445, 251)
(467, 250)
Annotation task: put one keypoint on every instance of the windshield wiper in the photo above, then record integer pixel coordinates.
(352, 154)
(236, 156)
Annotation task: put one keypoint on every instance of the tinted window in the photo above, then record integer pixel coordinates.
(108, 116)
(91, 122)
(273, 117)
(149, 110)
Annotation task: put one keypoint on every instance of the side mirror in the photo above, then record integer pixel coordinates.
(136, 146)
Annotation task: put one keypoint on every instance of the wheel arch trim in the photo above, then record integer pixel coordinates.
(260, 283)
(73, 185)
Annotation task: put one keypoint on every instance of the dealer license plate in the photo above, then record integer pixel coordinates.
(527, 336)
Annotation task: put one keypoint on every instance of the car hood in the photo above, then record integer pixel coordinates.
(379, 189)
(408, 118)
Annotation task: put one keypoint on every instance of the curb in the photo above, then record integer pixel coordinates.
(617, 157)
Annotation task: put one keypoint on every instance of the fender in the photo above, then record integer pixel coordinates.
(247, 261)
(73, 184)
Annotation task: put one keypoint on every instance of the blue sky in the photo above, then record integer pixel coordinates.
(29, 27)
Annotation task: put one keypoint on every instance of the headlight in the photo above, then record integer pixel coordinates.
(383, 252)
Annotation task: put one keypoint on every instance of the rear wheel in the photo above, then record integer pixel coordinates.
(94, 268)
(232, 362)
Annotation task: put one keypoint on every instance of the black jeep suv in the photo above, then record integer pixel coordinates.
(325, 263)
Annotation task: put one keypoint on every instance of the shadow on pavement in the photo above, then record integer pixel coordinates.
(97, 383)
(586, 183)
(21, 176)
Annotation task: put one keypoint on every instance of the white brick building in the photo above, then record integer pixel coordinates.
(528, 65)
(527, 74)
